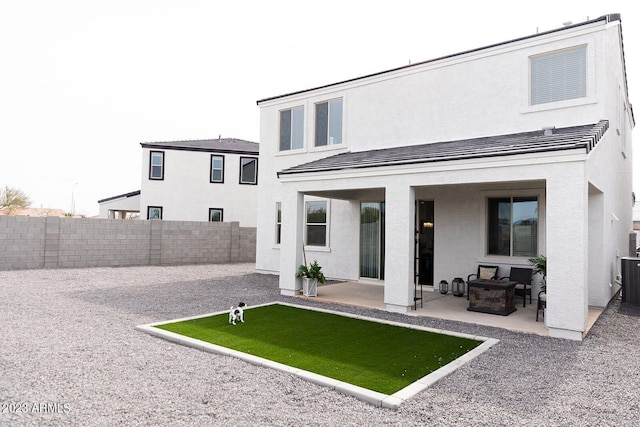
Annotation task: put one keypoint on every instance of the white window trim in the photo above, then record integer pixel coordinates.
(314, 248)
(303, 149)
(484, 229)
(590, 97)
(275, 222)
(309, 126)
(312, 133)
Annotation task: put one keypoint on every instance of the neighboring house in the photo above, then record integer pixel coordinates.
(38, 212)
(122, 206)
(489, 156)
(201, 180)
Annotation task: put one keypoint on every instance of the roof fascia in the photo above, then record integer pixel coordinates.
(200, 149)
(121, 196)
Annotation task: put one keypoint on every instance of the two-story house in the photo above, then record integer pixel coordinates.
(489, 156)
(200, 180)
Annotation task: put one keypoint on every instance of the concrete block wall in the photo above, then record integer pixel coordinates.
(52, 242)
(185, 242)
(247, 244)
(22, 242)
(106, 243)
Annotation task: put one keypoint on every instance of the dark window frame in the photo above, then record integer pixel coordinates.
(221, 214)
(278, 223)
(211, 169)
(503, 238)
(255, 182)
(149, 212)
(151, 166)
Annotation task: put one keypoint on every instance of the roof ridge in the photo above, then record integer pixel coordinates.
(229, 139)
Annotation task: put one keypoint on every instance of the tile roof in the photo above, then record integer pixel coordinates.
(228, 145)
(569, 138)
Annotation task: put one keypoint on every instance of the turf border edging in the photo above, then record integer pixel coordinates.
(392, 401)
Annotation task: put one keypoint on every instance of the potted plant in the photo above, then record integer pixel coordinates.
(539, 264)
(311, 275)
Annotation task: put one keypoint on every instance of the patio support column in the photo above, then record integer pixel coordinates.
(291, 241)
(567, 252)
(399, 251)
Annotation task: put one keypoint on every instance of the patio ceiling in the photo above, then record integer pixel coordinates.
(351, 194)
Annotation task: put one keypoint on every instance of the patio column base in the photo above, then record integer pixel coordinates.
(393, 308)
(289, 292)
(565, 334)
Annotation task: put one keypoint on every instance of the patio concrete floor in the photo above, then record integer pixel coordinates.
(441, 306)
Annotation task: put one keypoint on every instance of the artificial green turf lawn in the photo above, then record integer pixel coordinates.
(373, 355)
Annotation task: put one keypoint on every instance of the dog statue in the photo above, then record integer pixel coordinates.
(237, 313)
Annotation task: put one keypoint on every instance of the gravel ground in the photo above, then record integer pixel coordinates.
(70, 356)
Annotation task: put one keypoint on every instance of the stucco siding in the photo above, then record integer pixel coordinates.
(583, 190)
(186, 193)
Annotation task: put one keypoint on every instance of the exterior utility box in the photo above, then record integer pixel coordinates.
(631, 281)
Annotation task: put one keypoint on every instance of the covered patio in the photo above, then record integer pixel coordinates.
(449, 209)
(447, 307)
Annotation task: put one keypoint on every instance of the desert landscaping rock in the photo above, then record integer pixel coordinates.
(71, 356)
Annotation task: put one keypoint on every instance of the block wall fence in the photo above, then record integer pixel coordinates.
(53, 242)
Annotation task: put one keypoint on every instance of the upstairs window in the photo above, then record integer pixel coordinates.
(292, 129)
(156, 165)
(248, 170)
(329, 123)
(217, 169)
(559, 76)
(513, 226)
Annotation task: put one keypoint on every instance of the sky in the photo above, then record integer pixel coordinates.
(84, 82)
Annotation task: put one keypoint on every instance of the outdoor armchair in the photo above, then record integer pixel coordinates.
(522, 276)
(489, 272)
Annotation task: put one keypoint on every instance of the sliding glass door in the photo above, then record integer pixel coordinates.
(372, 240)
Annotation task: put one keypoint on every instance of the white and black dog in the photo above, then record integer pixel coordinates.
(237, 313)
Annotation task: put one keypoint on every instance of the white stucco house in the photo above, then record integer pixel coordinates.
(121, 206)
(489, 156)
(197, 180)
(201, 180)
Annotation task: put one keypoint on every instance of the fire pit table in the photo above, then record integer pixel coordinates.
(492, 296)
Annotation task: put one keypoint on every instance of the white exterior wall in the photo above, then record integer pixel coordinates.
(120, 204)
(186, 193)
(460, 216)
(609, 171)
(477, 94)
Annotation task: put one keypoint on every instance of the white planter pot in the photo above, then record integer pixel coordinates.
(309, 287)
